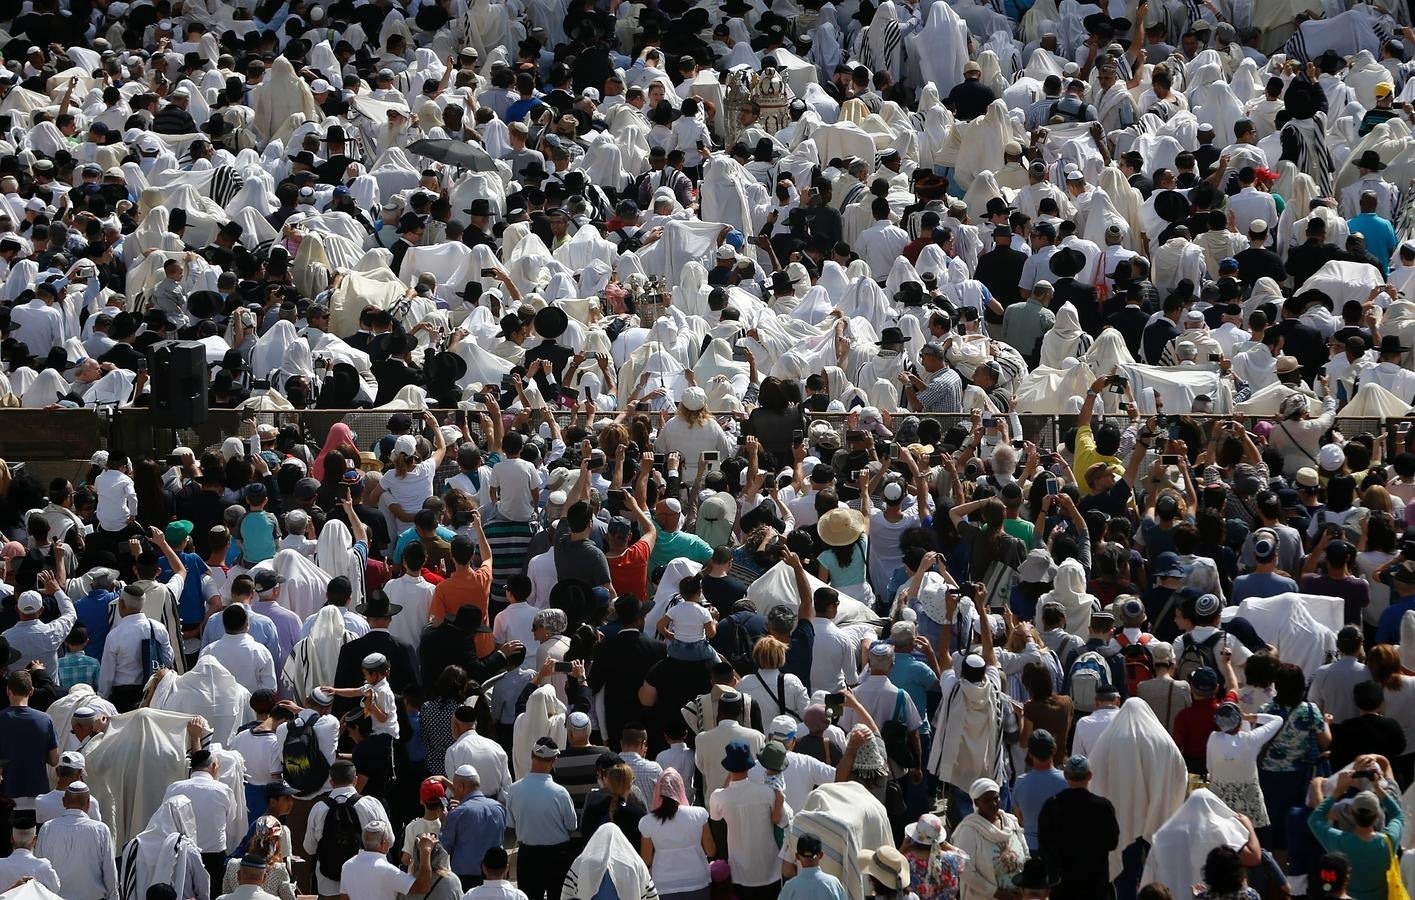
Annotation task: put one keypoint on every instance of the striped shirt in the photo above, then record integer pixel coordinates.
(77, 668)
(944, 393)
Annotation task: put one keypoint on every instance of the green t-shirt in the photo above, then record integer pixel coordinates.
(673, 544)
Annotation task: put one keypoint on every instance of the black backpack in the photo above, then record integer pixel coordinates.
(304, 764)
(1199, 655)
(341, 838)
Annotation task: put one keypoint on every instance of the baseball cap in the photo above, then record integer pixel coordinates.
(30, 602)
(1203, 680)
(71, 759)
(782, 727)
(1366, 802)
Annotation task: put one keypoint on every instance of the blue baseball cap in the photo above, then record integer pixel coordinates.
(735, 239)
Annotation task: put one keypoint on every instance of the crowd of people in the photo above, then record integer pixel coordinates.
(812, 450)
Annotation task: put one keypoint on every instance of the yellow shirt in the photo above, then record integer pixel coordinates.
(1086, 456)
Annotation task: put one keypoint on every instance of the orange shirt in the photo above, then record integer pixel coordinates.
(630, 573)
(462, 587)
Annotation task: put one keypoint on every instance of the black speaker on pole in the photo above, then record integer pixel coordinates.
(178, 373)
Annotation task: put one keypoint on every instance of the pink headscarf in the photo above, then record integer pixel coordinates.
(669, 784)
(339, 435)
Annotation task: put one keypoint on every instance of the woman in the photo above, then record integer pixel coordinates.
(1370, 850)
(268, 841)
(1225, 878)
(775, 420)
(1330, 879)
(1233, 759)
(444, 885)
(1292, 756)
(691, 432)
(1046, 709)
(1376, 550)
(340, 439)
(994, 842)
(619, 806)
(154, 500)
(773, 691)
(1297, 436)
(936, 867)
(435, 716)
(676, 842)
(845, 535)
(410, 481)
(1383, 663)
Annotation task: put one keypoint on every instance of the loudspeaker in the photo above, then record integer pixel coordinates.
(179, 375)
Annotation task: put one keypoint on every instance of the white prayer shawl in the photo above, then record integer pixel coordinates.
(206, 690)
(335, 556)
(866, 300)
(971, 745)
(45, 390)
(722, 195)
(609, 854)
(585, 247)
(315, 658)
(1045, 391)
(1069, 592)
(982, 142)
(683, 241)
(1182, 844)
(941, 48)
(115, 388)
(544, 717)
(160, 853)
(270, 348)
(1178, 386)
(1138, 768)
(1213, 102)
(1343, 281)
(130, 768)
(847, 819)
(62, 712)
(1062, 340)
(1302, 626)
(1372, 401)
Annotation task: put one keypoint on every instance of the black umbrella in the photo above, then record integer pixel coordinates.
(454, 153)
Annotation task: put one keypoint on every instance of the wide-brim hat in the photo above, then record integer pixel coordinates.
(890, 335)
(841, 527)
(204, 304)
(551, 322)
(378, 606)
(887, 866)
(1067, 262)
(1370, 160)
(446, 367)
(1171, 206)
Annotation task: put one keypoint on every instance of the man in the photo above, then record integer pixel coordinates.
(942, 392)
(1264, 580)
(1251, 204)
(1078, 857)
(370, 876)
(402, 672)
(481, 753)
(881, 698)
(748, 811)
(620, 664)
(543, 815)
(214, 806)
(1258, 261)
(35, 640)
(494, 868)
(575, 557)
(1369, 165)
(1090, 727)
(477, 824)
(367, 811)
(80, 849)
(22, 864)
(136, 646)
(27, 743)
(250, 880)
(809, 882)
(240, 654)
(1339, 580)
(712, 743)
(881, 243)
(576, 769)
(1024, 324)
(1376, 229)
(1333, 683)
(1000, 269)
(51, 805)
(1041, 782)
(673, 542)
(970, 97)
(467, 585)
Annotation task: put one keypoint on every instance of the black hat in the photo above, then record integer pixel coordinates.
(410, 222)
(335, 135)
(231, 231)
(469, 619)
(11, 655)
(1370, 160)
(304, 158)
(470, 291)
(204, 304)
(176, 219)
(890, 335)
(1171, 206)
(445, 368)
(781, 283)
(378, 606)
(1390, 344)
(1067, 262)
(551, 322)
(534, 172)
(480, 207)
(509, 323)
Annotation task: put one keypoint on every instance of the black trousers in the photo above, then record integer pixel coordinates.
(541, 869)
(126, 697)
(215, 864)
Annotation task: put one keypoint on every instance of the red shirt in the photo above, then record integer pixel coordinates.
(462, 587)
(1193, 726)
(629, 573)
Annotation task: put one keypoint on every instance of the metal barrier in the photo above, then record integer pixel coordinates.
(70, 434)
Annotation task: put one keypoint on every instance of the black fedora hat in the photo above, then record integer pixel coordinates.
(470, 291)
(534, 172)
(469, 618)
(203, 304)
(445, 368)
(1171, 206)
(232, 231)
(1370, 160)
(335, 134)
(890, 335)
(551, 322)
(377, 605)
(1067, 262)
(480, 207)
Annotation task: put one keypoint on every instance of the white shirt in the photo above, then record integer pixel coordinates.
(514, 624)
(414, 594)
(370, 876)
(542, 573)
(122, 652)
(246, 659)
(263, 752)
(880, 245)
(37, 325)
(689, 621)
(679, 864)
(1089, 729)
(117, 499)
(762, 687)
(484, 755)
(1233, 758)
(40, 641)
(495, 890)
(212, 803)
(712, 744)
(326, 735)
(51, 806)
(832, 659)
(803, 774)
(22, 863)
(81, 852)
(1249, 204)
(367, 809)
(751, 845)
(514, 480)
(1203, 633)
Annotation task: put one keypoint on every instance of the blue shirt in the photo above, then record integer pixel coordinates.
(540, 810)
(1030, 794)
(411, 534)
(191, 606)
(914, 677)
(260, 627)
(26, 737)
(1380, 237)
(93, 610)
(474, 827)
(813, 884)
(1388, 631)
(1261, 584)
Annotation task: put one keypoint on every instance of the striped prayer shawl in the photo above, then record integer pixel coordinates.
(508, 541)
(226, 182)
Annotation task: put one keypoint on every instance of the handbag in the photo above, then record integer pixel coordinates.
(1395, 884)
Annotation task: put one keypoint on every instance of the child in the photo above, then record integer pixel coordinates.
(297, 533)
(258, 529)
(689, 624)
(432, 793)
(514, 622)
(76, 666)
(378, 702)
(678, 756)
